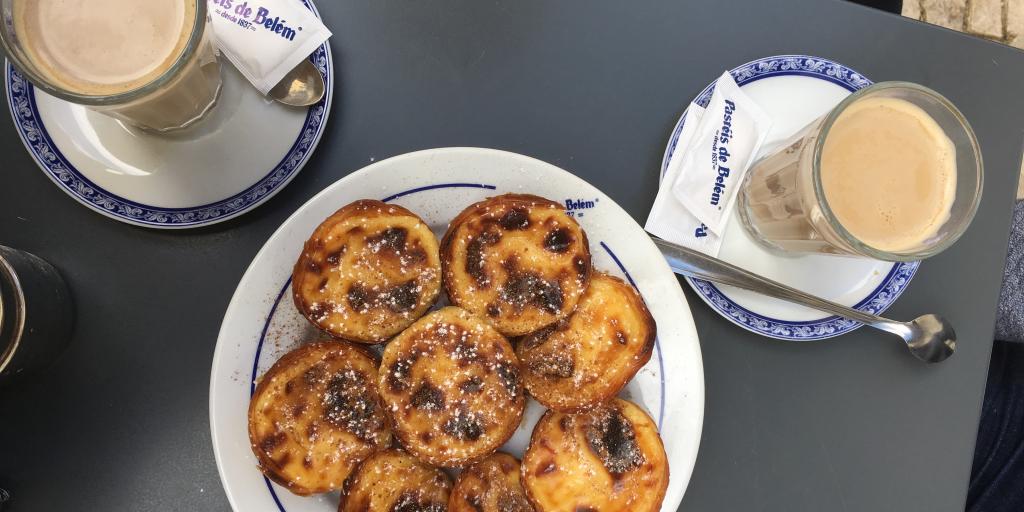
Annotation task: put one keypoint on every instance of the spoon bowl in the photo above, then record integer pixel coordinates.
(301, 87)
(932, 338)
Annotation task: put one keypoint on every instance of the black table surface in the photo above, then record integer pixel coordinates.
(120, 421)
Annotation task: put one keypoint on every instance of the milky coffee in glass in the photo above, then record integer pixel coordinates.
(878, 178)
(155, 55)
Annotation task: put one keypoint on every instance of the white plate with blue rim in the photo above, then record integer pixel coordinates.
(244, 152)
(795, 90)
(262, 323)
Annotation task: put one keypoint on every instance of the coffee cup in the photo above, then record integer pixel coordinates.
(151, 64)
(894, 172)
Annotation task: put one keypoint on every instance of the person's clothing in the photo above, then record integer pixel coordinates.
(997, 476)
(1010, 317)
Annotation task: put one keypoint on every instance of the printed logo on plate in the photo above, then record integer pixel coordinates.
(576, 207)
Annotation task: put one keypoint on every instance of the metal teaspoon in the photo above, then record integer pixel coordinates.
(929, 338)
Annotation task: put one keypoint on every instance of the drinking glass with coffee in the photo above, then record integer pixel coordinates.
(151, 64)
(893, 172)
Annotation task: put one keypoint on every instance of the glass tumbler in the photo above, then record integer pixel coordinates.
(36, 314)
(782, 202)
(175, 98)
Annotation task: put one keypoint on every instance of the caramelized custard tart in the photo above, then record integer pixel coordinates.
(581, 361)
(519, 260)
(491, 485)
(452, 386)
(367, 272)
(315, 415)
(607, 459)
(394, 481)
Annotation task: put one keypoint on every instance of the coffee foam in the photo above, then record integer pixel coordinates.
(103, 47)
(889, 173)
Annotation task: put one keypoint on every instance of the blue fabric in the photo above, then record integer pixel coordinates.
(997, 476)
(1010, 319)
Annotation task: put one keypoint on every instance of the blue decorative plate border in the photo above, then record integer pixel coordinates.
(29, 125)
(894, 283)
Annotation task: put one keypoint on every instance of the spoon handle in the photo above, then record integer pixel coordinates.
(701, 266)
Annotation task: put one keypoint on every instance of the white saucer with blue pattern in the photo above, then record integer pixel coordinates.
(794, 90)
(262, 323)
(246, 151)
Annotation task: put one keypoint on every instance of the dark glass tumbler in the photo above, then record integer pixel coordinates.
(36, 314)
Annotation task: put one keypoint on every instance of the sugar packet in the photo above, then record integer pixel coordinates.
(265, 39)
(723, 146)
(669, 219)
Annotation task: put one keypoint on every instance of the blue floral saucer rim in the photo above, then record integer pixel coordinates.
(876, 302)
(29, 125)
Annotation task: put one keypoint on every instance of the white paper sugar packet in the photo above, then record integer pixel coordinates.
(669, 219)
(724, 144)
(265, 39)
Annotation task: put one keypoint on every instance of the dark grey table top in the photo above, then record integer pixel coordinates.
(120, 421)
